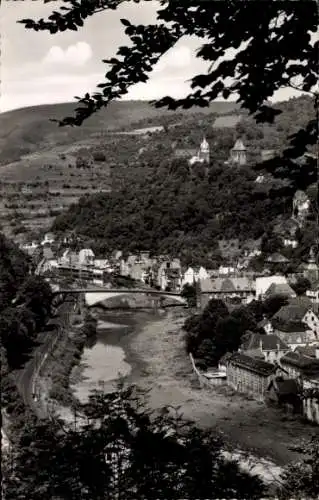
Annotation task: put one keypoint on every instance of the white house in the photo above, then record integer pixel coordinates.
(264, 282)
(48, 239)
(312, 321)
(86, 257)
(191, 276)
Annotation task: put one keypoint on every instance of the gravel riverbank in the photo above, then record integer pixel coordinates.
(165, 371)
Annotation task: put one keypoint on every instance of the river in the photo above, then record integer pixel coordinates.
(109, 358)
(145, 347)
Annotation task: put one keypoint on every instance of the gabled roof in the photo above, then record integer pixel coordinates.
(184, 152)
(300, 361)
(309, 350)
(279, 289)
(225, 285)
(47, 253)
(277, 257)
(255, 365)
(267, 342)
(290, 326)
(239, 146)
(291, 312)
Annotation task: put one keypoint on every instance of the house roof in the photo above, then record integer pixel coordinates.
(263, 323)
(185, 152)
(47, 253)
(252, 364)
(239, 146)
(286, 386)
(268, 342)
(295, 338)
(309, 350)
(291, 312)
(279, 289)
(300, 361)
(277, 258)
(289, 326)
(225, 285)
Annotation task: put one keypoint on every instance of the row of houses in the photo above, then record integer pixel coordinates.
(280, 363)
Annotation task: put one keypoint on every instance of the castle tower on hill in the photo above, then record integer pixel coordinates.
(203, 154)
(238, 153)
(204, 150)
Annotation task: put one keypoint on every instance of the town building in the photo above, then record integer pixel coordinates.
(202, 155)
(264, 282)
(301, 367)
(86, 257)
(310, 405)
(266, 325)
(268, 347)
(280, 289)
(238, 154)
(48, 239)
(295, 313)
(194, 274)
(294, 334)
(249, 375)
(301, 206)
(285, 393)
(169, 275)
(228, 289)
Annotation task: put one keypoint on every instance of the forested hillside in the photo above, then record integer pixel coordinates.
(158, 203)
(29, 130)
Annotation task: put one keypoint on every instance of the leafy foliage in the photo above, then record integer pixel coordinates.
(177, 212)
(25, 303)
(273, 50)
(301, 480)
(189, 293)
(122, 451)
(215, 331)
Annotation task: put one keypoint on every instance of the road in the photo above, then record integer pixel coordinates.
(25, 377)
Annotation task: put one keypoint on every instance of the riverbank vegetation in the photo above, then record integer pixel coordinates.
(126, 452)
(69, 351)
(25, 303)
(215, 331)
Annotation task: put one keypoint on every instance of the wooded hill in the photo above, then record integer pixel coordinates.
(29, 130)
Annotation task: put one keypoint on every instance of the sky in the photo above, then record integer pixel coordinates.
(40, 68)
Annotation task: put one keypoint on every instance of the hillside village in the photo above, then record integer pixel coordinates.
(279, 361)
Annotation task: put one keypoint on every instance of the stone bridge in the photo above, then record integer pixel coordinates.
(96, 295)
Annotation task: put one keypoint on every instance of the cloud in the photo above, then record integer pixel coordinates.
(75, 55)
(177, 57)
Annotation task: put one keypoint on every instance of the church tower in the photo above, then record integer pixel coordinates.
(238, 153)
(204, 151)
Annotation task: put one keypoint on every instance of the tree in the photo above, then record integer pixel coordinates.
(123, 452)
(189, 293)
(273, 50)
(301, 286)
(301, 480)
(272, 304)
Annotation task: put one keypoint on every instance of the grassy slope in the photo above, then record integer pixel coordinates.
(27, 130)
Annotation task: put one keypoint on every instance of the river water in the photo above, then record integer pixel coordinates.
(109, 358)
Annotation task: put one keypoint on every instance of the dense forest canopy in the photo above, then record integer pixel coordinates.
(158, 203)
